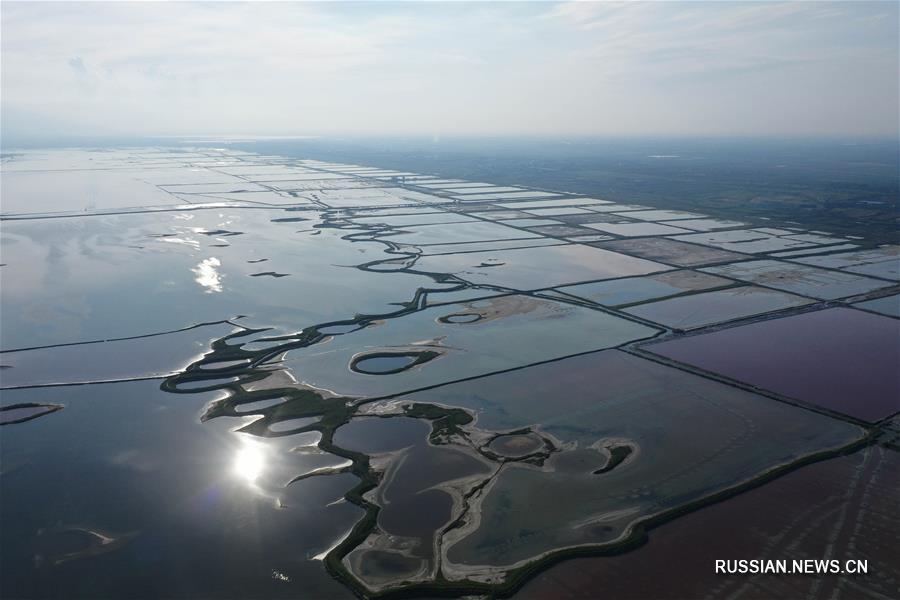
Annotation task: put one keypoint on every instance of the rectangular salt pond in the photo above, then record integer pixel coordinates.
(267, 197)
(343, 198)
(174, 175)
(889, 305)
(58, 160)
(526, 205)
(745, 240)
(388, 174)
(250, 170)
(414, 219)
(776, 231)
(840, 359)
(410, 195)
(594, 217)
(372, 172)
(419, 179)
(320, 184)
(635, 229)
(707, 224)
(433, 249)
(238, 185)
(499, 215)
(483, 189)
(310, 176)
(398, 210)
(708, 308)
(537, 268)
(812, 251)
(477, 231)
(549, 212)
(362, 197)
(507, 195)
(452, 184)
(816, 239)
(439, 183)
(78, 191)
(638, 289)
(559, 230)
(880, 262)
(348, 168)
(529, 222)
(618, 208)
(662, 215)
(584, 239)
(799, 279)
(469, 339)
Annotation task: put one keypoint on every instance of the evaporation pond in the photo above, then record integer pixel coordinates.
(670, 251)
(841, 359)
(454, 341)
(696, 310)
(800, 279)
(536, 268)
(635, 229)
(638, 289)
(688, 437)
(889, 305)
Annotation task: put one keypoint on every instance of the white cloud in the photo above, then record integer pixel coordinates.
(586, 67)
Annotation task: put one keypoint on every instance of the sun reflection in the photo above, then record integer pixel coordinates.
(207, 276)
(249, 461)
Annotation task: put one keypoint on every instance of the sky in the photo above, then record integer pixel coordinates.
(433, 68)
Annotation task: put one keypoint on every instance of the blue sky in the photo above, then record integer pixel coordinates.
(596, 68)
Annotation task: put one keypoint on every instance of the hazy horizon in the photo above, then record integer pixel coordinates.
(680, 69)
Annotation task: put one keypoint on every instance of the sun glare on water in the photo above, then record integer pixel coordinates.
(249, 462)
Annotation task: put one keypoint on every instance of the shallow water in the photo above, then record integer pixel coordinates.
(639, 289)
(841, 359)
(222, 370)
(801, 279)
(708, 308)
